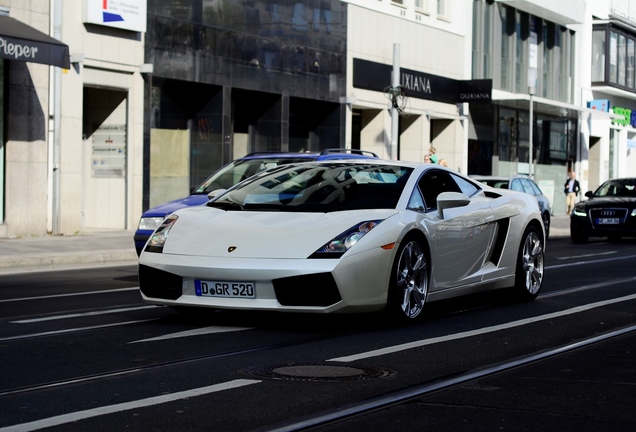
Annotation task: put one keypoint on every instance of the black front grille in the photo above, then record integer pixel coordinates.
(160, 284)
(602, 216)
(307, 290)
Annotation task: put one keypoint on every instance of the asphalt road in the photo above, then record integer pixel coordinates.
(80, 351)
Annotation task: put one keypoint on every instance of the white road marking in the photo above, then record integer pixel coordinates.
(421, 343)
(126, 406)
(628, 257)
(68, 295)
(587, 255)
(82, 314)
(57, 332)
(195, 332)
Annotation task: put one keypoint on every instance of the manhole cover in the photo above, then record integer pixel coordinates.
(316, 372)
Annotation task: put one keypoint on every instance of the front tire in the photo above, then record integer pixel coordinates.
(409, 280)
(529, 274)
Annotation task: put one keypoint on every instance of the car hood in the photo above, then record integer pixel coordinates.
(608, 202)
(205, 231)
(172, 206)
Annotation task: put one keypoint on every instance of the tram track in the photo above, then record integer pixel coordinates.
(339, 415)
(163, 365)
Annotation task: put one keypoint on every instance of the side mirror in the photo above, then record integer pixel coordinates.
(589, 194)
(448, 200)
(216, 192)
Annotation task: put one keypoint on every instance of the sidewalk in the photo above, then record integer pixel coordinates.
(88, 249)
(98, 248)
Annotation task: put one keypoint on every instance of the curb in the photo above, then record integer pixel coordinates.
(48, 262)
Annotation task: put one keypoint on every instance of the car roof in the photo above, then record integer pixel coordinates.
(333, 153)
(499, 178)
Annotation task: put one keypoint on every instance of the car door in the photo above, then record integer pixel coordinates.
(462, 238)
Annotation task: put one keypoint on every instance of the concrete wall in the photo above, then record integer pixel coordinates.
(26, 146)
(111, 61)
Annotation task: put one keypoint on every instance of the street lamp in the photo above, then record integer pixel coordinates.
(531, 121)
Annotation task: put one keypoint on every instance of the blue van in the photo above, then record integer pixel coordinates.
(229, 175)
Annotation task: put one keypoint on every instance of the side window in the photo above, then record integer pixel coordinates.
(535, 188)
(416, 202)
(433, 183)
(527, 187)
(466, 187)
(515, 185)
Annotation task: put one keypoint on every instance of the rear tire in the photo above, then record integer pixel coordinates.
(408, 287)
(529, 274)
(546, 224)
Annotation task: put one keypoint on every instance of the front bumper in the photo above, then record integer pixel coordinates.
(587, 225)
(358, 283)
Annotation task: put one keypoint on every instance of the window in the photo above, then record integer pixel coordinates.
(614, 57)
(482, 40)
(515, 185)
(420, 5)
(598, 55)
(507, 48)
(629, 79)
(518, 50)
(521, 53)
(441, 9)
(466, 187)
(433, 183)
(622, 59)
(613, 60)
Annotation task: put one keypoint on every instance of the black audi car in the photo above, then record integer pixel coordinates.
(610, 211)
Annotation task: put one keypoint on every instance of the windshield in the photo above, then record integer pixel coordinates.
(239, 170)
(319, 187)
(617, 188)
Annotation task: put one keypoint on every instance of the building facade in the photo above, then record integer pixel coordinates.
(237, 77)
(531, 50)
(429, 41)
(72, 129)
(609, 90)
(231, 78)
(148, 100)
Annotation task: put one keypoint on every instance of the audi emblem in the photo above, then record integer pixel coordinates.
(608, 213)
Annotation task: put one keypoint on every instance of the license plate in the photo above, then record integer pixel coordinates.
(205, 288)
(607, 221)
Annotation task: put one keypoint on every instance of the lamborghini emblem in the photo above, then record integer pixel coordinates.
(231, 249)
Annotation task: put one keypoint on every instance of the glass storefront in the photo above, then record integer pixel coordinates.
(554, 146)
(236, 77)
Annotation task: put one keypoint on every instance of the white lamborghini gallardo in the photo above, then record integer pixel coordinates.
(345, 236)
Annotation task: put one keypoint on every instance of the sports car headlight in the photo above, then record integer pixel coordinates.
(344, 241)
(579, 212)
(158, 239)
(633, 212)
(150, 223)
